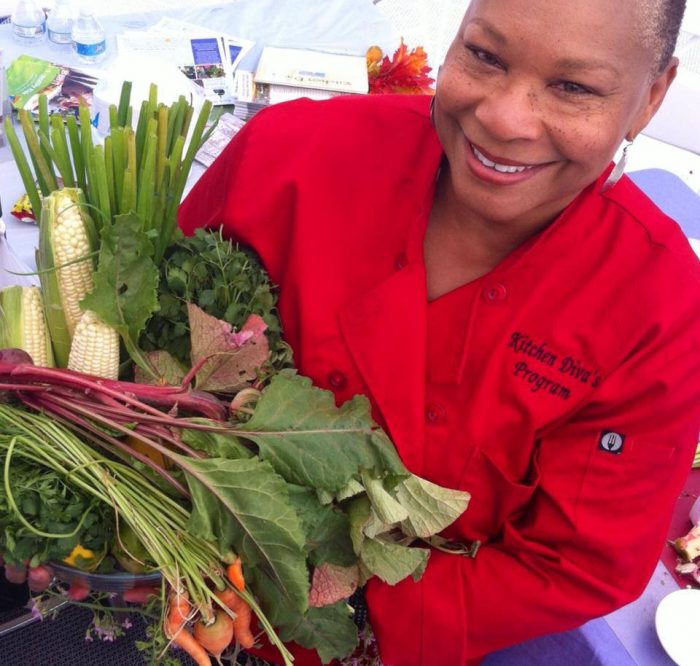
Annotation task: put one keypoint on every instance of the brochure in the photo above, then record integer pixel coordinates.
(206, 57)
(316, 70)
(66, 87)
(226, 128)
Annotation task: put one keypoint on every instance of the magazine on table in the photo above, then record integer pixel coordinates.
(66, 87)
(313, 70)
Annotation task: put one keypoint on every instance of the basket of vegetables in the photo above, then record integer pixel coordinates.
(153, 432)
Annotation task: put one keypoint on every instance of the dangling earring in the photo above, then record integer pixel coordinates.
(619, 169)
(432, 111)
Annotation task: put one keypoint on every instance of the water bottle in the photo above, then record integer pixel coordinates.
(60, 24)
(89, 37)
(28, 22)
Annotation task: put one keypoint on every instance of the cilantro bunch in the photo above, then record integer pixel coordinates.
(225, 280)
(50, 505)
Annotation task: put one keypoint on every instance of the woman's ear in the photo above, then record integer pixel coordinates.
(655, 96)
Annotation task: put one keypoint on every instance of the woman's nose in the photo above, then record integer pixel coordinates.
(511, 112)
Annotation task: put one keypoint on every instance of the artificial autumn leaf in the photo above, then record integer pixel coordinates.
(233, 357)
(331, 583)
(406, 73)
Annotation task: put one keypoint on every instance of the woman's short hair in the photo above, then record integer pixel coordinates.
(662, 23)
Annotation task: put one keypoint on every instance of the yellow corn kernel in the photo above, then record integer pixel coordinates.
(71, 242)
(23, 324)
(95, 348)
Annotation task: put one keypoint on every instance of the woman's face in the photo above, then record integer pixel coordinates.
(534, 98)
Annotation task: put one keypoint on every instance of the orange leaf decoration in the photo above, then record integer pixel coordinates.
(406, 72)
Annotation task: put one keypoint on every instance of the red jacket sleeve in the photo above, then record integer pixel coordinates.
(589, 541)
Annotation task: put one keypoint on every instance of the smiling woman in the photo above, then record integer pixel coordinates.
(528, 120)
(525, 322)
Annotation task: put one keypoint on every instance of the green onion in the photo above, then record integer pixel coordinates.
(123, 111)
(113, 117)
(109, 169)
(77, 152)
(25, 171)
(44, 126)
(60, 145)
(101, 187)
(46, 179)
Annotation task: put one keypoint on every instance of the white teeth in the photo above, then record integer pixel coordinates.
(501, 168)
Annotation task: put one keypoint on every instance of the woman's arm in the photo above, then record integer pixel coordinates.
(577, 553)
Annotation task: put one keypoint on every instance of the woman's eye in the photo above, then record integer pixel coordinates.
(484, 56)
(572, 88)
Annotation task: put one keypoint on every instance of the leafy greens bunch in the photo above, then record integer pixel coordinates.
(312, 497)
(225, 280)
(55, 517)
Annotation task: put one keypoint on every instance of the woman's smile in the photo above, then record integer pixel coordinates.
(499, 170)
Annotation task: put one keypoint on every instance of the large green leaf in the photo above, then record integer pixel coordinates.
(215, 444)
(327, 529)
(330, 630)
(311, 442)
(392, 562)
(242, 505)
(431, 508)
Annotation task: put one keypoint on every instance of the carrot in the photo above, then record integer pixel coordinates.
(174, 627)
(217, 636)
(234, 573)
(241, 623)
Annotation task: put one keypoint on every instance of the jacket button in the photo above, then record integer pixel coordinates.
(337, 379)
(434, 413)
(495, 293)
(401, 261)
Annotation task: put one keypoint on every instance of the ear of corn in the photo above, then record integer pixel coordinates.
(23, 325)
(65, 262)
(95, 348)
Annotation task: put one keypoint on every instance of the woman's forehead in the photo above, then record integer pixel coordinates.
(623, 28)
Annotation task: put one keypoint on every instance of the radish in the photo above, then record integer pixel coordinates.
(16, 575)
(39, 578)
(78, 591)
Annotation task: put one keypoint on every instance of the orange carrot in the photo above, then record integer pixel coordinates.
(234, 572)
(217, 636)
(241, 623)
(174, 627)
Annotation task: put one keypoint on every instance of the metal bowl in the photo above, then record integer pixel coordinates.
(117, 582)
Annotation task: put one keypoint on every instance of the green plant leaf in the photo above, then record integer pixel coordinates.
(330, 630)
(326, 528)
(387, 509)
(215, 444)
(242, 505)
(431, 508)
(311, 442)
(392, 562)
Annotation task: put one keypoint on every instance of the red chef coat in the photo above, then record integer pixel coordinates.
(561, 389)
